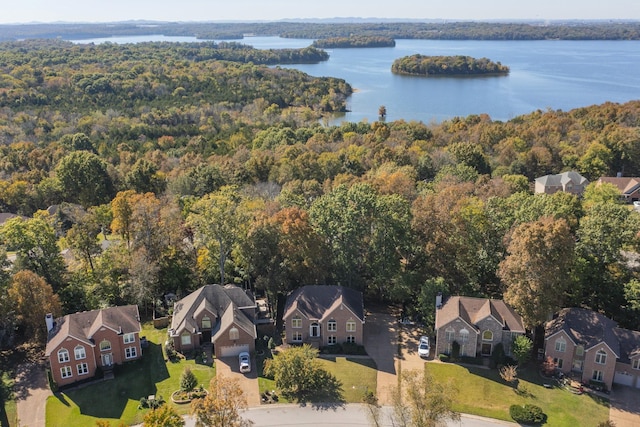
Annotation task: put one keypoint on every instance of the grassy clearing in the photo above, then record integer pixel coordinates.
(482, 392)
(356, 375)
(10, 415)
(118, 399)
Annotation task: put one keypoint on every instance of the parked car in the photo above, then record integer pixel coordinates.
(245, 362)
(423, 348)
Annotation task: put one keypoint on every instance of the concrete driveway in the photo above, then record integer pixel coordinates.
(32, 391)
(625, 406)
(381, 342)
(229, 368)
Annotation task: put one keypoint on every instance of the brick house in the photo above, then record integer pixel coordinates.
(323, 315)
(80, 343)
(568, 182)
(476, 324)
(591, 347)
(222, 315)
(629, 187)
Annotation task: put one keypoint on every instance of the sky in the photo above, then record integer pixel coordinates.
(22, 11)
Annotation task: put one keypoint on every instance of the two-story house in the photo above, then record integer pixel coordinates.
(221, 315)
(476, 324)
(78, 344)
(568, 182)
(324, 315)
(592, 347)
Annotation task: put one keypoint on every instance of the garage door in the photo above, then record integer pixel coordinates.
(623, 378)
(233, 350)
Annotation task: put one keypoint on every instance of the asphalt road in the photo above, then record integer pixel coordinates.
(349, 415)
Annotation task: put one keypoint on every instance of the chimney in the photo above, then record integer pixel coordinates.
(48, 319)
(619, 175)
(439, 300)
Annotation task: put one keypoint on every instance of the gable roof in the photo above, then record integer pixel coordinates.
(82, 326)
(233, 316)
(214, 298)
(584, 327)
(472, 310)
(562, 179)
(316, 301)
(626, 185)
(629, 344)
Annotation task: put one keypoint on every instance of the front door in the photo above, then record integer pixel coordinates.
(486, 349)
(315, 330)
(107, 359)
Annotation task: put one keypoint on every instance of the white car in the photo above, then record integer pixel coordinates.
(245, 362)
(423, 348)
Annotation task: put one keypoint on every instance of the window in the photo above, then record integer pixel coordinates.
(296, 336)
(577, 365)
(105, 345)
(331, 339)
(296, 322)
(558, 362)
(561, 345)
(579, 350)
(636, 364)
(83, 369)
(351, 339)
(79, 352)
(464, 336)
(185, 338)
(234, 334)
(601, 357)
(597, 376)
(206, 322)
(332, 326)
(314, 330)
(487, 336)
(450, 334)
(129, 338)
(63, 355)
(351, 326)
(65, 371)
(130, 352)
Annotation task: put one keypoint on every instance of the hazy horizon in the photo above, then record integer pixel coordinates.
(76, 11)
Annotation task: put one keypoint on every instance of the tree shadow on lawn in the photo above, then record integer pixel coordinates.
(132, 381)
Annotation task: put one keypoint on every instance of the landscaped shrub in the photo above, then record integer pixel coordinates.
(271, 344)
(154, 403)
(170, 351)
(455, 350)
(332, 349)
(352, 348)
(443, 357)
(527, 414)
(188, 380)
(498, 356)
(472, 360)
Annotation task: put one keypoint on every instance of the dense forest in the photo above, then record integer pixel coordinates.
(535, 30)
(458, 65)
(167, 169)
(354, 42)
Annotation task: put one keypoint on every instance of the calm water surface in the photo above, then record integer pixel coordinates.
(544, 75)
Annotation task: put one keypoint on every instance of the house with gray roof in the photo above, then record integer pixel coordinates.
(591, 347)
(221, 315)
(476, 324)
(322, 315)
(80, 343)
(568, 182)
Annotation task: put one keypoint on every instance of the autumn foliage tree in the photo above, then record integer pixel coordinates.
(164, 416)
(222, 405)
(536, 271)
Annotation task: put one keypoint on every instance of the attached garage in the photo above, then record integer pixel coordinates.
(623, 378)
(232, 350)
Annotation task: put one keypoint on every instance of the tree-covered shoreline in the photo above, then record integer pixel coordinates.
(354, 42)
(458, 65)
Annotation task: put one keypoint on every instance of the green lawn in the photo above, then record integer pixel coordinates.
(482, 392)
(10, 415)
(356, 375)
(118, 399)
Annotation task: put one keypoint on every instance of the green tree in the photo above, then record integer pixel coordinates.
(84, 179)
(144, 177)
(299, 375)
(521, 349)
(36, 246)
(164, 416)
(421, 401)
(537, 269)
(222, 405)
(188, 380)
(82, 238)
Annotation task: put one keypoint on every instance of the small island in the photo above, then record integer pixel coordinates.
(354, 41)
(458, 65)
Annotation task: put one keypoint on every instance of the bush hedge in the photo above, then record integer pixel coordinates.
(527, 414)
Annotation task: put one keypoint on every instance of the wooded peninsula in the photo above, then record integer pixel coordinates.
(354, 42)
(458, 65)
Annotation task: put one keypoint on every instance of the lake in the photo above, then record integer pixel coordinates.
(549, 74)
